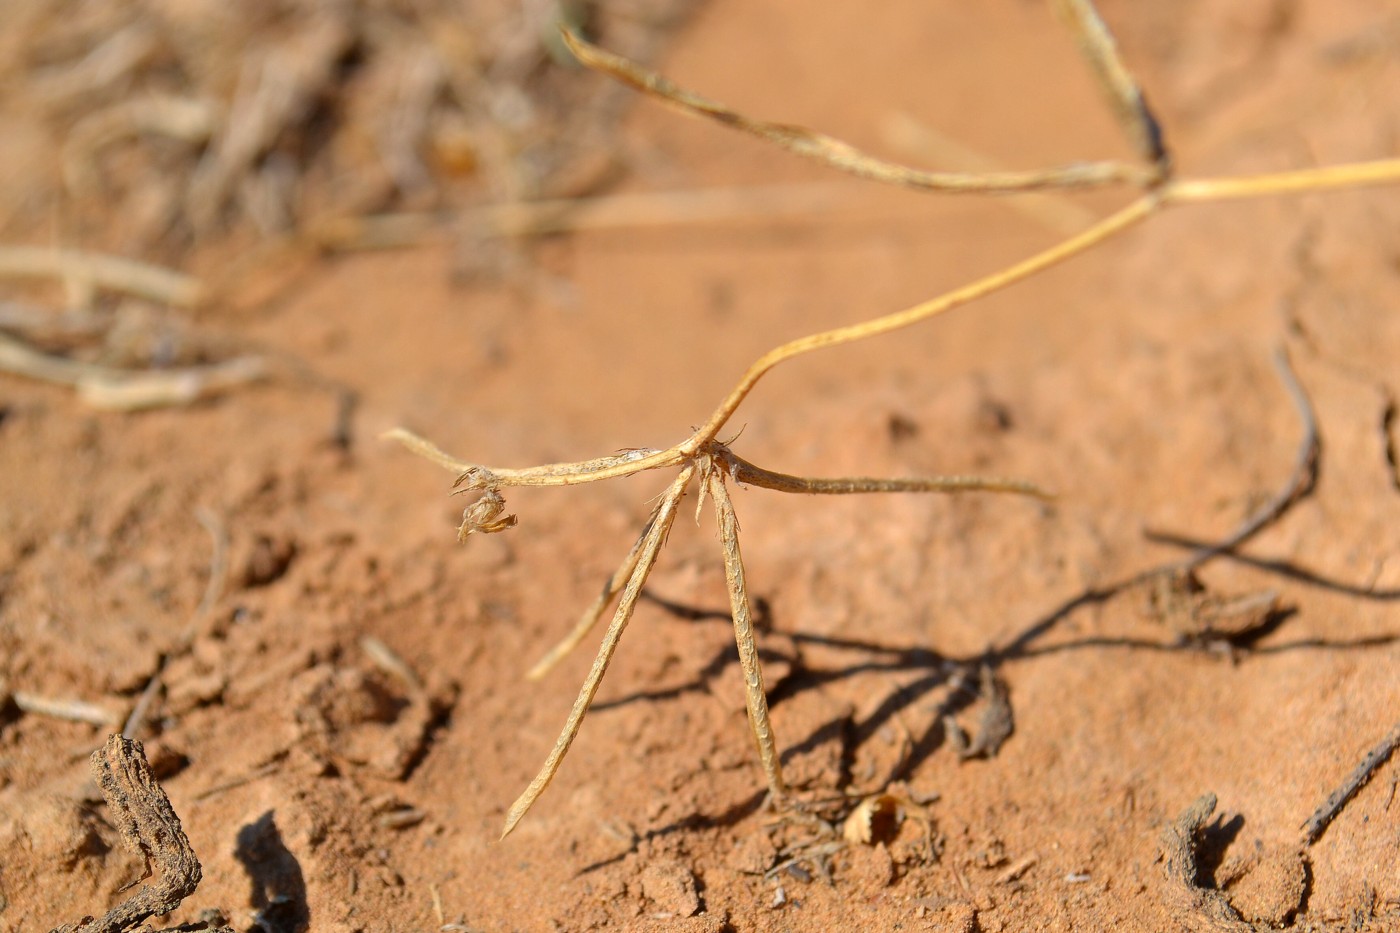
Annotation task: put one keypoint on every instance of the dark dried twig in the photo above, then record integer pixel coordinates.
(149, 827)
(1192, 905)
(1324, 815)
(1121, 88)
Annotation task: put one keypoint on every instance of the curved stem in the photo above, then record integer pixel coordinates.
(1104, 229)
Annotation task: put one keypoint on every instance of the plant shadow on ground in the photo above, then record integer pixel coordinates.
(937, 671)
(278, 885)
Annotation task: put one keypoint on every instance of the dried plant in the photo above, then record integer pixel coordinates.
(707, 463)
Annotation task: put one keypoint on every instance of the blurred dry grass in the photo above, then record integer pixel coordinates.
(151, 127)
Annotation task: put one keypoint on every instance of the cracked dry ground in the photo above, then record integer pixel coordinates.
(319, 787)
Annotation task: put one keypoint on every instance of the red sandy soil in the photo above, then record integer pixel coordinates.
(1137, 382)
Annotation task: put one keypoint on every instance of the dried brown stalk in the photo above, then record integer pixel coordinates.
(148, 825)
(702, 457)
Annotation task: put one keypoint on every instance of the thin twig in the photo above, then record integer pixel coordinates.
(1055, 210)
(218, 568)
(747, 473)
(572, 215)
(1115, 223)
(1322, 817)
(141, 710)
(843, 156)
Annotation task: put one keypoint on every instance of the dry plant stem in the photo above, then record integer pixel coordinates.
(843, 156)
(1109, 226)
(754, 695)
(218, 569)
(124, 275)
(1300, 181)
(747, 473)
(1317, 824)
(388, 661)
(714, 462)
(702, 453)
(651, 546)
(129, 389)
(1054, 210)
(148, 825)
(75, 710)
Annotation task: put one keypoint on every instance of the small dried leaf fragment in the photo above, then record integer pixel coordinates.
(875, 819)
(484, 515)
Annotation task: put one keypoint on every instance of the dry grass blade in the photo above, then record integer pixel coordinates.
(426, 449)
(101, 271)
(651, 546)
(843, 156)
(75, 710)
(127, 389)
(754, 695)
(1056, 211)
(747, 473)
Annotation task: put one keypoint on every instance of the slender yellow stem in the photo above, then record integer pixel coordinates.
(1197, 191)
(1113, 224)
(1301, 181)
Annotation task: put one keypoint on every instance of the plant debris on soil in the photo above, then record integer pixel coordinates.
(991, 732)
